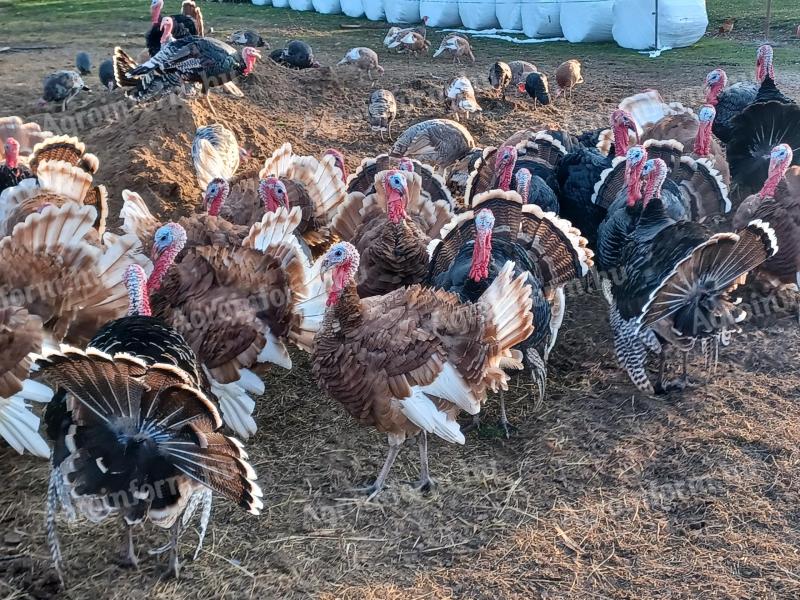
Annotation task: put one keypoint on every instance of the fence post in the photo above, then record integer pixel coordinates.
(655, 44)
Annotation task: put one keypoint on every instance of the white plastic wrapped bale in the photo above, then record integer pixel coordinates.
(509, 15)
(680, 23)
(440, 13)
(280, 3)
(353, 8)
(373, 10)
(541, 18)
(301, 4)
(402, 11)
(587, 21)
(327, 7)
(478, 14)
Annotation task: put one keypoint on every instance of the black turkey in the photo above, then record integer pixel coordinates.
(11, 170)
(106, 74)
(192, 59)
(296, 55)
(537, 87)
(135, 434)
(728, 101)
(83, 63)
(182, 26)
(501, 228)
(247, 37)
(674, 284)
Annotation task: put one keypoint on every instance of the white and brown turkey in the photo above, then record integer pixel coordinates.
(437, 142)
(456, 47)
(61, 87)
(381, 112)
(237, 304)
(434, 188)
(286, 180)
(56, 285)
(546, 249)
(215, 153)
(408, 362)
(568, 76)
(460, 98)
(363, 59)
(395, 33)
(411, 43)
(500, 78)
(247, 37)
(391, 228)
(56, 183)
(136, 434)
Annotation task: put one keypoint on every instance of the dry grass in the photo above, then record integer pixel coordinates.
(601, 493)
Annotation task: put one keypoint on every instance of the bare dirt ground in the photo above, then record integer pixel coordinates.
(601, 493)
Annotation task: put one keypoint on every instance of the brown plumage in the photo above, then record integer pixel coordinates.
(64, 148)
(568, 75)
(56, 183)
(434, 188)
(439, 142)
(391, 229)
(27, 134)
(410, 360)
(456, 47)
(313, 185)
(190, 9)
(413, 43)
(364, 59)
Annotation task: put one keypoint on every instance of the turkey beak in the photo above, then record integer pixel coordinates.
(326, 266)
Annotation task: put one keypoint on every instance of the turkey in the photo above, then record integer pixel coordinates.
(648, 108)
(63, 148)
(460, 98)
(568, 75)
(438, 142)
(675, 283)
(57, 183)
(295, 55)
(779, 205)
(237, 306)
(694, 135)
(11, 170)
(770, 120)
(83, 62)
(537, 87)
(730, 101)
(497, 168)
(60, 88)
(406, 363)
(206, 61)
(314, 186)
(215, 154)
(106, 74)
(247, 37)
(434, 188)
(412, 43)
(391, 229)
(395, 33)
(546, 250)
(190, 9)
(534, 190)
(520, 70)
(27, 136)
(364, 59)
(500, 78)
(381, 112)
(136, 434)
(64, 300)
(183, 25)
(456, 47)
(338, 162)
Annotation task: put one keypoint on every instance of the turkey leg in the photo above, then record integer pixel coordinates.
(128, 553)
(425, 482)
(395, 445)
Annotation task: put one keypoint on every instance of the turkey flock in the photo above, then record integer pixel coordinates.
(416, 284)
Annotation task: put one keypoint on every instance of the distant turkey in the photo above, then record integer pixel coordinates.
(537, 87)
(184, 24)
(545, 249)
(675, 281)
(568, 76)
(412, 43)
(460, 98)
(61, 87)
(456, 47)
(407, 362)
(364, 59)
(215, 154)
(247, 37)
(770, 120)
(106, 74)
(778, 204)
(296, 55)
(192, 59)
(391, 229)
(136, 434)
(439, 142)
(83, 62)
(500, 78)
(11, 170)
(381, 112)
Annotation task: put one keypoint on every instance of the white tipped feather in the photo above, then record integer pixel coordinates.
(237, 407)
(275, 352)
(60, 177)
(450, 385)
(136, 217)
(421, 411)
(20, 427)
(509, 304)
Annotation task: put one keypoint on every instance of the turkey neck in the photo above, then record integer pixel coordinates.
(702, 143)
(620, 140)
(481, 255)
(163, 264)
(776, 173)
(12, 157)
(347, 309)
(505, 176)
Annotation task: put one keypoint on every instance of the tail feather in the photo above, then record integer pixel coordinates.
(64, 179)
(27, 134)
(207, 162)
(136, 217)
(693, 294)
(20, 427)
(422, 411)
(237, 407)
(123, 64)
(703, 184)
(64, 148)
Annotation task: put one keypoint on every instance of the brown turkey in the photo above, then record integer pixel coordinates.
(406, 363)
(391, 229)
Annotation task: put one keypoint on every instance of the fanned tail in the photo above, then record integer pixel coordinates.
(123, 64)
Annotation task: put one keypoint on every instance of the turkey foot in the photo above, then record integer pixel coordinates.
(174, 565)
(395, 444)
(425, 483)
(474, 426)
(127, 555)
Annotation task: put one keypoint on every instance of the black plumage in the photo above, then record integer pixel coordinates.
(83, 62)
(11, 176)
(106, 74)
(729, 103)
(576, 174)
(296, 54)
(182, 26)
(537, 87)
